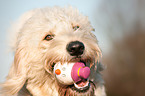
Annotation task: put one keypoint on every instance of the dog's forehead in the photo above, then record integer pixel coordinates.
(65, 22)
(67, 19)
(69, 27)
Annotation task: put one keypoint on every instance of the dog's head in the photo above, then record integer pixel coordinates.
(53, 35)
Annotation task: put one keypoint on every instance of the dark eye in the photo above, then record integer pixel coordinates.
(49, 37)
(76, 27)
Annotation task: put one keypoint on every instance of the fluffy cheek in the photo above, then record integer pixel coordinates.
(35, 51)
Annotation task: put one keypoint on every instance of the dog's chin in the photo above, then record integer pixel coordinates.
(82, 88)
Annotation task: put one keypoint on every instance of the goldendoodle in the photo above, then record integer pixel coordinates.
(56, 54)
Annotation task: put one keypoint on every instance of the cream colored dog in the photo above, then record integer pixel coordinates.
(44, 37)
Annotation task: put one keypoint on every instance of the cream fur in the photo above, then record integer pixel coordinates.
(34, 56)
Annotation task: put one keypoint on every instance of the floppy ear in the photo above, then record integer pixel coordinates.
(17, 74)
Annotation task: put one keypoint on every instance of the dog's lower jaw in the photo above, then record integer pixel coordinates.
(46, 90)
(73, 91)
(56, 90)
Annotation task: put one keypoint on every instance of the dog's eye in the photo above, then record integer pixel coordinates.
(76, 27)
(49, 37)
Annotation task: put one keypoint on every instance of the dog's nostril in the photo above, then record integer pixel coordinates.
(75, 48)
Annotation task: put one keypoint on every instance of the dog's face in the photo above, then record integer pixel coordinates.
(65, 36)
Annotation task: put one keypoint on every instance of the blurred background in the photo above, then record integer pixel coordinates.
(120, 29)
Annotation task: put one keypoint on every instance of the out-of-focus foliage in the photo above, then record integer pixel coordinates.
(125, 73)
(124, 23)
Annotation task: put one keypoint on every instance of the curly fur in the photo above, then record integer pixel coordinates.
(31, 71)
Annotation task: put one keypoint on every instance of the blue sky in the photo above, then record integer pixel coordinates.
(10, 10)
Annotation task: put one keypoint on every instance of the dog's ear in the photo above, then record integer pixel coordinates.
(97, 55)
(17, 74)
(98, 65)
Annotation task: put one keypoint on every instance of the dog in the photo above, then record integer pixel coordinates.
(42, 38)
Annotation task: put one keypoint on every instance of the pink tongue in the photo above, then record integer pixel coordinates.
(80, 71)
(81, 83)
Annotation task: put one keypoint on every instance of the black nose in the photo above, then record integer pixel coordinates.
(75, 48)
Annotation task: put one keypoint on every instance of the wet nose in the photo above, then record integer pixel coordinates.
(75, 48)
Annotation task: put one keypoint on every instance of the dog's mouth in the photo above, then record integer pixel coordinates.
(82, 85)
(65, 75)
(66, 84)
(82, 88)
